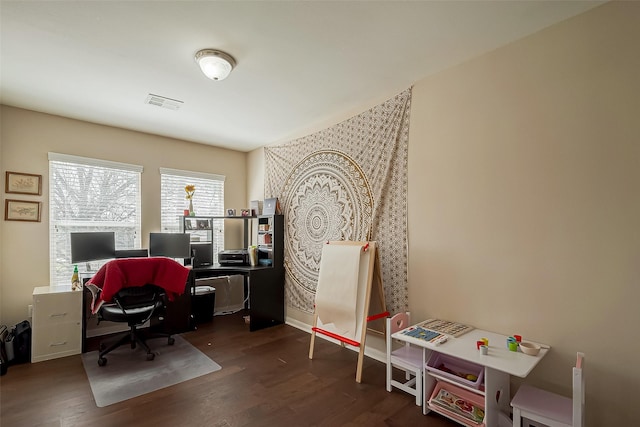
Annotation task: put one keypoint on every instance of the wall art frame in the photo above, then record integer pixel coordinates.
(23, 183)
(22, 210)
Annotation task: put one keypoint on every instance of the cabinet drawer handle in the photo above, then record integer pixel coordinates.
(57, 344)
(57, 314)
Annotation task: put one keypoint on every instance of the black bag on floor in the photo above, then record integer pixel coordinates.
(18, 343)
(4, 332)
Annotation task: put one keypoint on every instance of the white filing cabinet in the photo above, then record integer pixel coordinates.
(56, 327)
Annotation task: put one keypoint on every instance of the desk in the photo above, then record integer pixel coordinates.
(499, 364)
(265, 287)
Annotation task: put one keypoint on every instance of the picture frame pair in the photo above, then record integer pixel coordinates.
(243, 212)
(25, 184)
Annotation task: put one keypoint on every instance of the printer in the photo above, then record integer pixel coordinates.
(233, 257)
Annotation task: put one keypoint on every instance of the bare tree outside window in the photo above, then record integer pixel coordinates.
(87, 197)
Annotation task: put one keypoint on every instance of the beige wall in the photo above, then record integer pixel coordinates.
(27, 137)
(524, 194)
(524, 201)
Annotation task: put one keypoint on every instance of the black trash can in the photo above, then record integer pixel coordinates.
(203, 302)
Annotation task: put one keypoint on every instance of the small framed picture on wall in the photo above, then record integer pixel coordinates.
(22, 210)
(23, 183)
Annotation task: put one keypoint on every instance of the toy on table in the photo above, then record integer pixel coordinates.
(446, 327)
(425, 335)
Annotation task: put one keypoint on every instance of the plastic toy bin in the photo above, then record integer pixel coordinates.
(457, 404)
(449, 367)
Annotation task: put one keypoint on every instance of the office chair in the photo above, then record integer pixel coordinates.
(135, 306)
(534, 404)
(406, 358)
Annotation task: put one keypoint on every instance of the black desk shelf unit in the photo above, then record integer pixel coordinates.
(201, 229)
(263, 283)
(266, 300)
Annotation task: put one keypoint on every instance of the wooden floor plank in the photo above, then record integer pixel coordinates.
(267, 380)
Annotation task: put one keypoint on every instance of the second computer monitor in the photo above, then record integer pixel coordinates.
(171, 245)
(132, 253)
(202, 254)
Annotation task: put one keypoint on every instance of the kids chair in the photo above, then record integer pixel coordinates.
(406, 358)
(534, 404)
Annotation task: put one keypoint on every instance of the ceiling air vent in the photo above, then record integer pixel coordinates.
(164, 102)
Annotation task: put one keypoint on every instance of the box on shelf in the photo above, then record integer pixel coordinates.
(457, 370)
(457, 404)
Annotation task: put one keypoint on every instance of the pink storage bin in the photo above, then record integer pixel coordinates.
(444, 366)
(461, 393)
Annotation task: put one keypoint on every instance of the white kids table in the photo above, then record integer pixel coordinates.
(498, 365)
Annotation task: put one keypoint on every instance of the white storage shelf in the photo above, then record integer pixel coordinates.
(56, 329)
(499, 366)
(468, 390)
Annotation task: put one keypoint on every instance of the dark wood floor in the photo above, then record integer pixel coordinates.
(266, 379)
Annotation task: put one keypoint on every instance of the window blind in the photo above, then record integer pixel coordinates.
(90, 195)
(208, 200)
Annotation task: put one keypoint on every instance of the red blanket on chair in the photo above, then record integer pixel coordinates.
(128, 272)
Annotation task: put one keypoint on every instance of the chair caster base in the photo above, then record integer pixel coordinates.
(151, 356)
(102, 361)
(171, 341)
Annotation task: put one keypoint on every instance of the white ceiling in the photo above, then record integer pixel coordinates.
(301, 65)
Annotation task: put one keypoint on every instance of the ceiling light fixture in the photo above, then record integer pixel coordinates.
(215, 64)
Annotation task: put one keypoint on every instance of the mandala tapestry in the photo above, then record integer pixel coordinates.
(348, 182)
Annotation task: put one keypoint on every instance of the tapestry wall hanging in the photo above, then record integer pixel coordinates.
(347, 182)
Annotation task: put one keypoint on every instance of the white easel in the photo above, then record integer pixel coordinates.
(370, 297)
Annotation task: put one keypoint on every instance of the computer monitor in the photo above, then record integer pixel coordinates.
(171, 245)
(92, 246)
(132, 253)
(202, 254)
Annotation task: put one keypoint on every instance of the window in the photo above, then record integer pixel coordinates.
(90, 195)
(208, 200)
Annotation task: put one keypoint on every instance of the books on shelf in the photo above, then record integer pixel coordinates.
(464, 407)
(264, 239)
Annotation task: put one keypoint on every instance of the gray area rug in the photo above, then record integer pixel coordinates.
(128, 373)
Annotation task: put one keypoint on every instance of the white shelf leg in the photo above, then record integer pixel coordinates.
(497, 395)
(428, 382)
